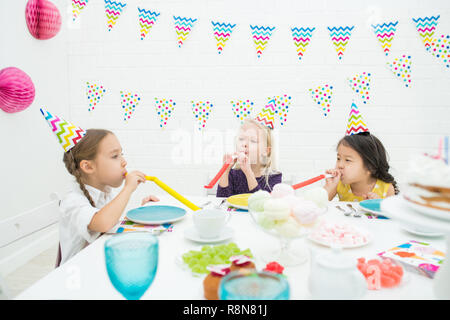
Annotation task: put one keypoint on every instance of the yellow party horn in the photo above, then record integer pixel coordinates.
(172, 192)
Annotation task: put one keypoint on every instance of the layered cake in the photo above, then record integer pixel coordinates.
(428, 183)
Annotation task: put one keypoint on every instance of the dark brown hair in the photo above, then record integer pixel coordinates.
(85, 149)
(373, 154)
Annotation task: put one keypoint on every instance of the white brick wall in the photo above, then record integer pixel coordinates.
(407, 120)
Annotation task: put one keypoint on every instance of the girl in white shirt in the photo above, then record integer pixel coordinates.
(92, 208)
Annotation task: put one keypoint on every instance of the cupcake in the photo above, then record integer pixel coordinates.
(241, 262)
(212, 281)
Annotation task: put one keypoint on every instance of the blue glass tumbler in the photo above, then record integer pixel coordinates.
(131, 262)
(253, 285)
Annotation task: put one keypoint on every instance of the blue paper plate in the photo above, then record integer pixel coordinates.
(156, 214)
(372, 205)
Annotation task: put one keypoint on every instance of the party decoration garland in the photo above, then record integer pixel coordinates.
(164, 109)
(426, 27)
(222, 33)
(401, 67)
(301, 37)
(94, 93)
(261, 36)
(322, 96)
(202, 111)
(183, 27)
(242, 109)
(340, 37)
(147, 19)
(113, 10)
(385, 33)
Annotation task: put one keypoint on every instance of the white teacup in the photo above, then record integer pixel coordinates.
(210, 222)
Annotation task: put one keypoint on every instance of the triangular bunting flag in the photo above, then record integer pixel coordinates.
(440, 48)
(360, 83)
(183, 26)
(67, 134)
(77, 6)
(301, 37)
(202, 111)
(322, 96)
(164, 109)
(242, 109)
(355, 122)
(147, 19)
(401, 67)
(261, 36)
(426, 27)
(340, 37)
(129, 102)
(282, 104)
(267, 115)
(385, 33)
(222, 33)
(94, 93)
(113, 11)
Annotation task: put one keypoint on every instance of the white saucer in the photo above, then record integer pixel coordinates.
(192, 234)
(422, 233)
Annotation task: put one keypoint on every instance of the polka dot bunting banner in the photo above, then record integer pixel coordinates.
(401, 67)
(242, 109)
(360, 84)
(322, 96)
(129, 102)
(94, 93)
(164, 109)
(202, 111)
(440, 48)
(282, 104)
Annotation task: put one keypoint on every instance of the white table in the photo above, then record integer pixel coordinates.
(84, 276)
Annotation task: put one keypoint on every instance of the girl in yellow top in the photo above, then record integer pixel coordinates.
(362, 170)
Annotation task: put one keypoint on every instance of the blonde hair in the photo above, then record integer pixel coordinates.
(85, 149)
(269, 163)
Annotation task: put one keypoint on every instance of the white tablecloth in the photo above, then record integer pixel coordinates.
(84, 276)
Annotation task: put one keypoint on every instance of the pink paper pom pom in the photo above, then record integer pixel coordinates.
(16, 90)
(43, 19)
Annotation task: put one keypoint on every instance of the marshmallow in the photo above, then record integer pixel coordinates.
(306, 212)
(276, 209)
(289, 229)
(318, 195)
(256, 200)
(281, 190)
(343, 234)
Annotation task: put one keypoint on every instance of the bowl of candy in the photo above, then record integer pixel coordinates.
(287, 216)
